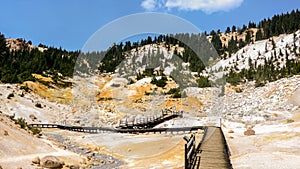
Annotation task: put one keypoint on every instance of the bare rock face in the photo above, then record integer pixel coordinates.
(249, 132)
(51, 162)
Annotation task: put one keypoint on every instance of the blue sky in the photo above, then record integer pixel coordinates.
(70, 23)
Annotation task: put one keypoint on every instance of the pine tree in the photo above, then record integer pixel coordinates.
(258, 35)
(227, 30)
(233, 28)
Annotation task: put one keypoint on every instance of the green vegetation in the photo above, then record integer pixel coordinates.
(23, 124)
(176, 93)
(162, 82)
(267, 28)
(146, 73)
(17, 66)
(203, 82)
(267, 72)
(115, 55)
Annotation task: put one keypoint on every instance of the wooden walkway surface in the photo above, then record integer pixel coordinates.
(212, 152)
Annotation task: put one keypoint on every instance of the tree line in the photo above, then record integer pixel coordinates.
(279, 24)
(17, 66)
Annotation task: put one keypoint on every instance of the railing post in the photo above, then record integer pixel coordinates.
(185, 156)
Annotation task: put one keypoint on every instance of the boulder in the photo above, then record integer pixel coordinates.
(36, 160)
(249, 132)
(51, 162)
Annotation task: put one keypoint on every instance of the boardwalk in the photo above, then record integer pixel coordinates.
(177, 130)
(212, 152)
(149, 121)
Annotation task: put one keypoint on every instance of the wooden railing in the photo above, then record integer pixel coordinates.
(190, 151)
(227, 150)
(149, 121)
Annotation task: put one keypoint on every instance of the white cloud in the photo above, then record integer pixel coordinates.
(208, 6)
(149, 5)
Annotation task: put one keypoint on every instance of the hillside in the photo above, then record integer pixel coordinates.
(245, 79)
(276, 49)
(18, 147)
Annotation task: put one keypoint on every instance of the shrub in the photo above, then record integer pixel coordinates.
(21, 122)
(175, 92)
(148, 72)
(34, 130)
(12, 117)
(161, 82)
(203, 82)
(24, 125)
(259, 83)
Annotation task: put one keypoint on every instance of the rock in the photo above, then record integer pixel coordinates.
(5, 133)
(51, 162)
(230, 131)
(290, 121)
(111, 161)
(74, 166)
(249, 132)
(36, 160)
(32, 117)
(1, 167)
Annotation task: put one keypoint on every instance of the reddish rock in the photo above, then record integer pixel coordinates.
(249, 132)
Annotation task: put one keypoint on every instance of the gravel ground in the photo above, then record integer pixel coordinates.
(95, 160)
